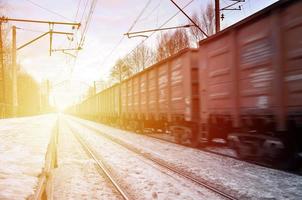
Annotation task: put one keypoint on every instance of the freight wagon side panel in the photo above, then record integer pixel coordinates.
(124, 98)
(291, 20)
(256, 72)
(143, 93)
(129, 97)
(135, 81)
(116, 99)
(219, 79)
(105, 96)
(163, 73)
(152, 91)
(110, 101)
(177, 66)
(192, 105)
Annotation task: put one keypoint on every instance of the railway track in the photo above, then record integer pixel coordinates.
(163, 164)
(101, 165)
(50, 163)
(229, 156)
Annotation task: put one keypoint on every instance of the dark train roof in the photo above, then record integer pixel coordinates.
(250, 19)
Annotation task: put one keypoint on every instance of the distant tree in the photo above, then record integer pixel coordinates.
(205, 19)
(28, 95)
(120, 71)
(140, 58)
(5, 69)
(170, 43)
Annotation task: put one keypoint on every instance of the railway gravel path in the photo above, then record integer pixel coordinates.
(141, 177)
(244, 180)
(77, 176)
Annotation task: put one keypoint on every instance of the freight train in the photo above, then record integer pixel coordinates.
(242, 85)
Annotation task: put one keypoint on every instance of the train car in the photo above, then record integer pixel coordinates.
(164, 97)
(251, 84)
(243, 85)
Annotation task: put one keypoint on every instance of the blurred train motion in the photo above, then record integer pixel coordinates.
(242, 85)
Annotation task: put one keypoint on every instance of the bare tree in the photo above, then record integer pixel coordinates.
(206, 20)
(171, 43)
(120, 71)
(140, 58)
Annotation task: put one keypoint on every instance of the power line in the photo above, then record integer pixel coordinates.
(165, 23)
(131, 27)
(151, 12)
(48, 10)
(189, 18)
(88, 20)
(139, 16)
(161, 26)
(78, 8)
(120, 41)
(85, 7)
(113, 50)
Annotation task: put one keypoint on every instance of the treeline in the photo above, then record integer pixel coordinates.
(28, 90)
(168, 43)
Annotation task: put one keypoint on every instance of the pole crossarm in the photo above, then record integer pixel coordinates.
(189, 18)
(134, 34)
(40, 36)
(6, 19)
(232, 4)
(69, 49)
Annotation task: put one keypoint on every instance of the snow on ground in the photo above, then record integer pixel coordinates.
(247, 180)
(76, 176)
(23, 145)
(143, 178)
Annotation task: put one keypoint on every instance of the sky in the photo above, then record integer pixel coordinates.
(71, 77)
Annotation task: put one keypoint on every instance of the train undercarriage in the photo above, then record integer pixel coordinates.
(281, 150)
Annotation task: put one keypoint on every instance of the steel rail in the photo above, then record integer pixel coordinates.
(203, 149)
(50, 163)
(161, 163)
(99, 163)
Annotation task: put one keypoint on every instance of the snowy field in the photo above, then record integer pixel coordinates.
(246, 180)
(23, 144)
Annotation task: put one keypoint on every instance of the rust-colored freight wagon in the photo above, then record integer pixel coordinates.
(251, 82)
(164, 95)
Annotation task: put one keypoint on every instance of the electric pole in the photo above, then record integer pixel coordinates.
(3, 112)
(14, 72)
(217, 15)
(94, 87)
(14, 49)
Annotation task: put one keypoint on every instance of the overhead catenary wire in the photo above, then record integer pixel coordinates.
(47, 9)
(140, 15)
(165, 23)
(162, 25)
(78, 9)
(87, 23)
(123, 37)
(85, 7)
(85, 29)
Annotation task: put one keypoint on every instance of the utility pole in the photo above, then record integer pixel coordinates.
(14, 72)
(94, 87)
(48, 92)
(3, 109)
(14, 49)
(217, 16)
